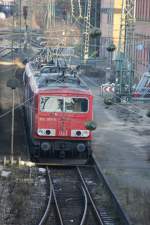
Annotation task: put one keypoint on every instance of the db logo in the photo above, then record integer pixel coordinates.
(63, 132)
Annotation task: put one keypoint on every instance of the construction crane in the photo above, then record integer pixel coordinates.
(125, 55)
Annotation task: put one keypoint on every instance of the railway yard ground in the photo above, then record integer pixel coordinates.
(121, 146)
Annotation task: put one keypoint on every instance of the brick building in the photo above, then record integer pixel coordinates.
(142, 38)
(110, 27)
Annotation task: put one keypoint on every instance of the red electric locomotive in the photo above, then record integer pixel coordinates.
(59, 112)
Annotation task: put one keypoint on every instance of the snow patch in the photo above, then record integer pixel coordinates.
(42, 170)
(5, 173)
(42, 181)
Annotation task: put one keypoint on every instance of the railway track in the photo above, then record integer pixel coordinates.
(80, 195)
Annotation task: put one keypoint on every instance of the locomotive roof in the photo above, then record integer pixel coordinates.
(64, 82)
(65, 90)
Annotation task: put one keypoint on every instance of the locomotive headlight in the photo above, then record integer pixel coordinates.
(80, 133)
(85, 133)
(41, 132)
(46, 132)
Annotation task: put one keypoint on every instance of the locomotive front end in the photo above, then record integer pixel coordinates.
(60, 129)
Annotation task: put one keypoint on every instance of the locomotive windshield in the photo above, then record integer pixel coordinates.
(51, 104)
(76, 104)
(63, 104)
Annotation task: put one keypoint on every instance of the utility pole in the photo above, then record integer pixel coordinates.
(30, 23)
(13, 28)
(25, 15)
(12, 83)
(20, 14)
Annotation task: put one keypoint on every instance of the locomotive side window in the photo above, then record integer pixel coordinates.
(53, 70)
(49, 70)
(51, 104)
(76, 105)
(45, 70)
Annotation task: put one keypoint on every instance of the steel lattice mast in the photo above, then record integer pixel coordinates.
(87, 19)
(125, 58)
(50, 14)
(87, 14)
(76, 9)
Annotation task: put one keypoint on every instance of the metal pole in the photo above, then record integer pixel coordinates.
(12, 126)
(95, 23)
(12, 42)
(54, 13)
(12, 83)
(30, 30)
(20, 25)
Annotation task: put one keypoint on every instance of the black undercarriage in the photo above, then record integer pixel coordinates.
(60, 150)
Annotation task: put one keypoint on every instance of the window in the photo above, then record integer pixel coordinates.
(49, 70)
(53, 70)
(45, 70)
(51, 104)
(76, 104)
(63, 104)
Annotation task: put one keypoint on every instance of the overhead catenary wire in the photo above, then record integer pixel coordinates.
(76, 20)
(20, 105)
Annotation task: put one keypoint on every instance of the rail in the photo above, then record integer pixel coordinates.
(81, 194)
(5, 51)
(114, 198)
(107, 204)
(45, 215)
(53, 196)
(90, 198)
(83, 220)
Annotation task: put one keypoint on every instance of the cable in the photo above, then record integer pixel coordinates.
(18, 106)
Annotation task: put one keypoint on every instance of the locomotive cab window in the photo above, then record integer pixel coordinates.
(76, 105)
(63, 104)
(51, 104)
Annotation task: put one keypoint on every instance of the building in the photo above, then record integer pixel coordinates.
(142, 38)
(110, 25)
